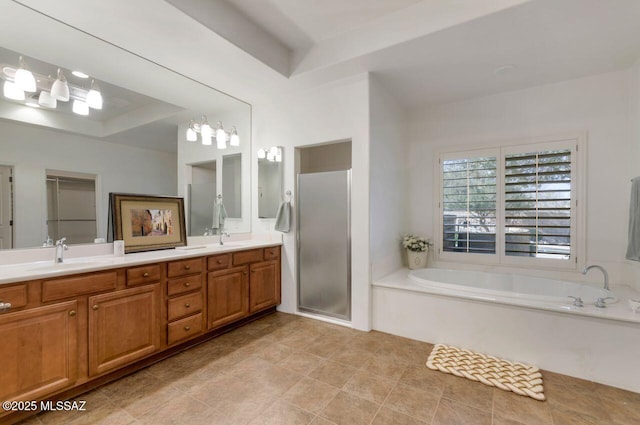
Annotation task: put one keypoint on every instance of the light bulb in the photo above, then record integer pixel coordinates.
(80, 107)
(205, 131)
(60, 88)
(221, 136)
(24, 78)
(206, 140)
(12, 91)
(278, 157)
(46, 100)
(234, 139)
(261, 153)
(192, 136)
(273, 150)
(94, 97)
(271, 157)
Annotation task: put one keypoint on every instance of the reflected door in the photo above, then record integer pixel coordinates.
(324, 259)
(6, 208)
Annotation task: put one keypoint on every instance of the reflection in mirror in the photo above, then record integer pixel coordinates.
(232, 184)
(202, 194)
(134, 144)
(270, 181)
(71, 207)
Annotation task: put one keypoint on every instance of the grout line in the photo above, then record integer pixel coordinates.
(383, 402)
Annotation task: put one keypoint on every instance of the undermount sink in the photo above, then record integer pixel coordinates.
(69, 264)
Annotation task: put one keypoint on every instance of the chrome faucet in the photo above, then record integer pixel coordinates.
(61, 247)
(223, 233)
(604, 272)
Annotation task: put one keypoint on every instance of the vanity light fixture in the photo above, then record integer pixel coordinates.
(94, 97)
(80, 107)
(262, 154)
(24, 78)
(207, 133)
(12, 91)
(80, 74)
(45, 99)
(60, 88)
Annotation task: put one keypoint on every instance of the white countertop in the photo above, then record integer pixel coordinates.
(74, 263)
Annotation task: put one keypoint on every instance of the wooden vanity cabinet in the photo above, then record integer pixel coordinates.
(228, 296)
(185, 303)
(124, 326)
(264, 289)
(39, 350)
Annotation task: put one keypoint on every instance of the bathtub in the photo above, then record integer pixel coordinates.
(504, 287)
(518, 318)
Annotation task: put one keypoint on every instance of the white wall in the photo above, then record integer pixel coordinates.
(335, 112)
(388, 180)
(597, 104)
(120, 168)
(633, 267)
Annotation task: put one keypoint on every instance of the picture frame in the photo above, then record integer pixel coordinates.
(148, 222)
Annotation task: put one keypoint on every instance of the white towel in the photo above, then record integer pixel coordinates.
(633, 249)
(219, 216)
(283, 218)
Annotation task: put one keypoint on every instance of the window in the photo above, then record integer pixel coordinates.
(514, 204)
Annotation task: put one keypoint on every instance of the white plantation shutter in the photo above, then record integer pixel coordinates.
(537, 204)
(469, 205)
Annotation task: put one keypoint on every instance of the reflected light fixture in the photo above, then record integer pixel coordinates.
(24, 78)
(12, 91)
(60, 87)
(94, 97)
(45, 99)
(80, 107)
(80, 74)
(272, 154)
(207, 133)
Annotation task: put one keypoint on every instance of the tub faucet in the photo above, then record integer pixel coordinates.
(61, 247)
(604, 272)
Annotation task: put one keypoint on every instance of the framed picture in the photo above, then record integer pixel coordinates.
(148, 223)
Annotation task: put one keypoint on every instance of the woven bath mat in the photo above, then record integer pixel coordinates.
(517, 377)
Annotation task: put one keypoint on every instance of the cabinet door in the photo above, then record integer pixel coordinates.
(124, 326)
(264, 290)
(228, 297)
(38, 351)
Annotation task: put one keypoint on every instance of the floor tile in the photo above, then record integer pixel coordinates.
(386, 367)
(369, 386)
(353, 357)
(301, 362)
(181, 410)
(347, 409)
(452, 413)
(474, 394)
(311, 395)
(283, 413)
(390, 417)
(336, 374)
(521, 409)
(425, 379)
(413, 402)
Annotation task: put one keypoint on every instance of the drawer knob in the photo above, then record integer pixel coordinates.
(145, 274)
(95, 306)
(219, 261)
(187, 305)
(244, 273)
(187, 328)
(72, 313)
(187, 284)
(187, 267)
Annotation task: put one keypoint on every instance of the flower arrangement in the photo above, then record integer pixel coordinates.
(416, 243)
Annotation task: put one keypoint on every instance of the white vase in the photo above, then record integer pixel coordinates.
(417, 260)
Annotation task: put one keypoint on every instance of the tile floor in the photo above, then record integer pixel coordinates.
(285, 369)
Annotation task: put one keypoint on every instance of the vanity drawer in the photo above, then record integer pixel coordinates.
(184, 267)
(58, 289)
(183, 285)
(16, 295)
(184, 328)
(143, 275)
(185, 305)
(219, 262)
(272, 253)
(246, 257)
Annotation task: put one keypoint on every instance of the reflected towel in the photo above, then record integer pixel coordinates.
(633, 250)
(283, 218)
(219, 216)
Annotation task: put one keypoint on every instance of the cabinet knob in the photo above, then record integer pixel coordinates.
(244, 272)
(187, 267)
(145, 274)
(187, 284)
(187, 305)
(219, 261)
(187, 328)
(72, 313)
(95, 306)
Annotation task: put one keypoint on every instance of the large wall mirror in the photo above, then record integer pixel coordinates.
(63, 163)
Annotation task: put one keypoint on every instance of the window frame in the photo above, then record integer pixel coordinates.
(576, 143)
